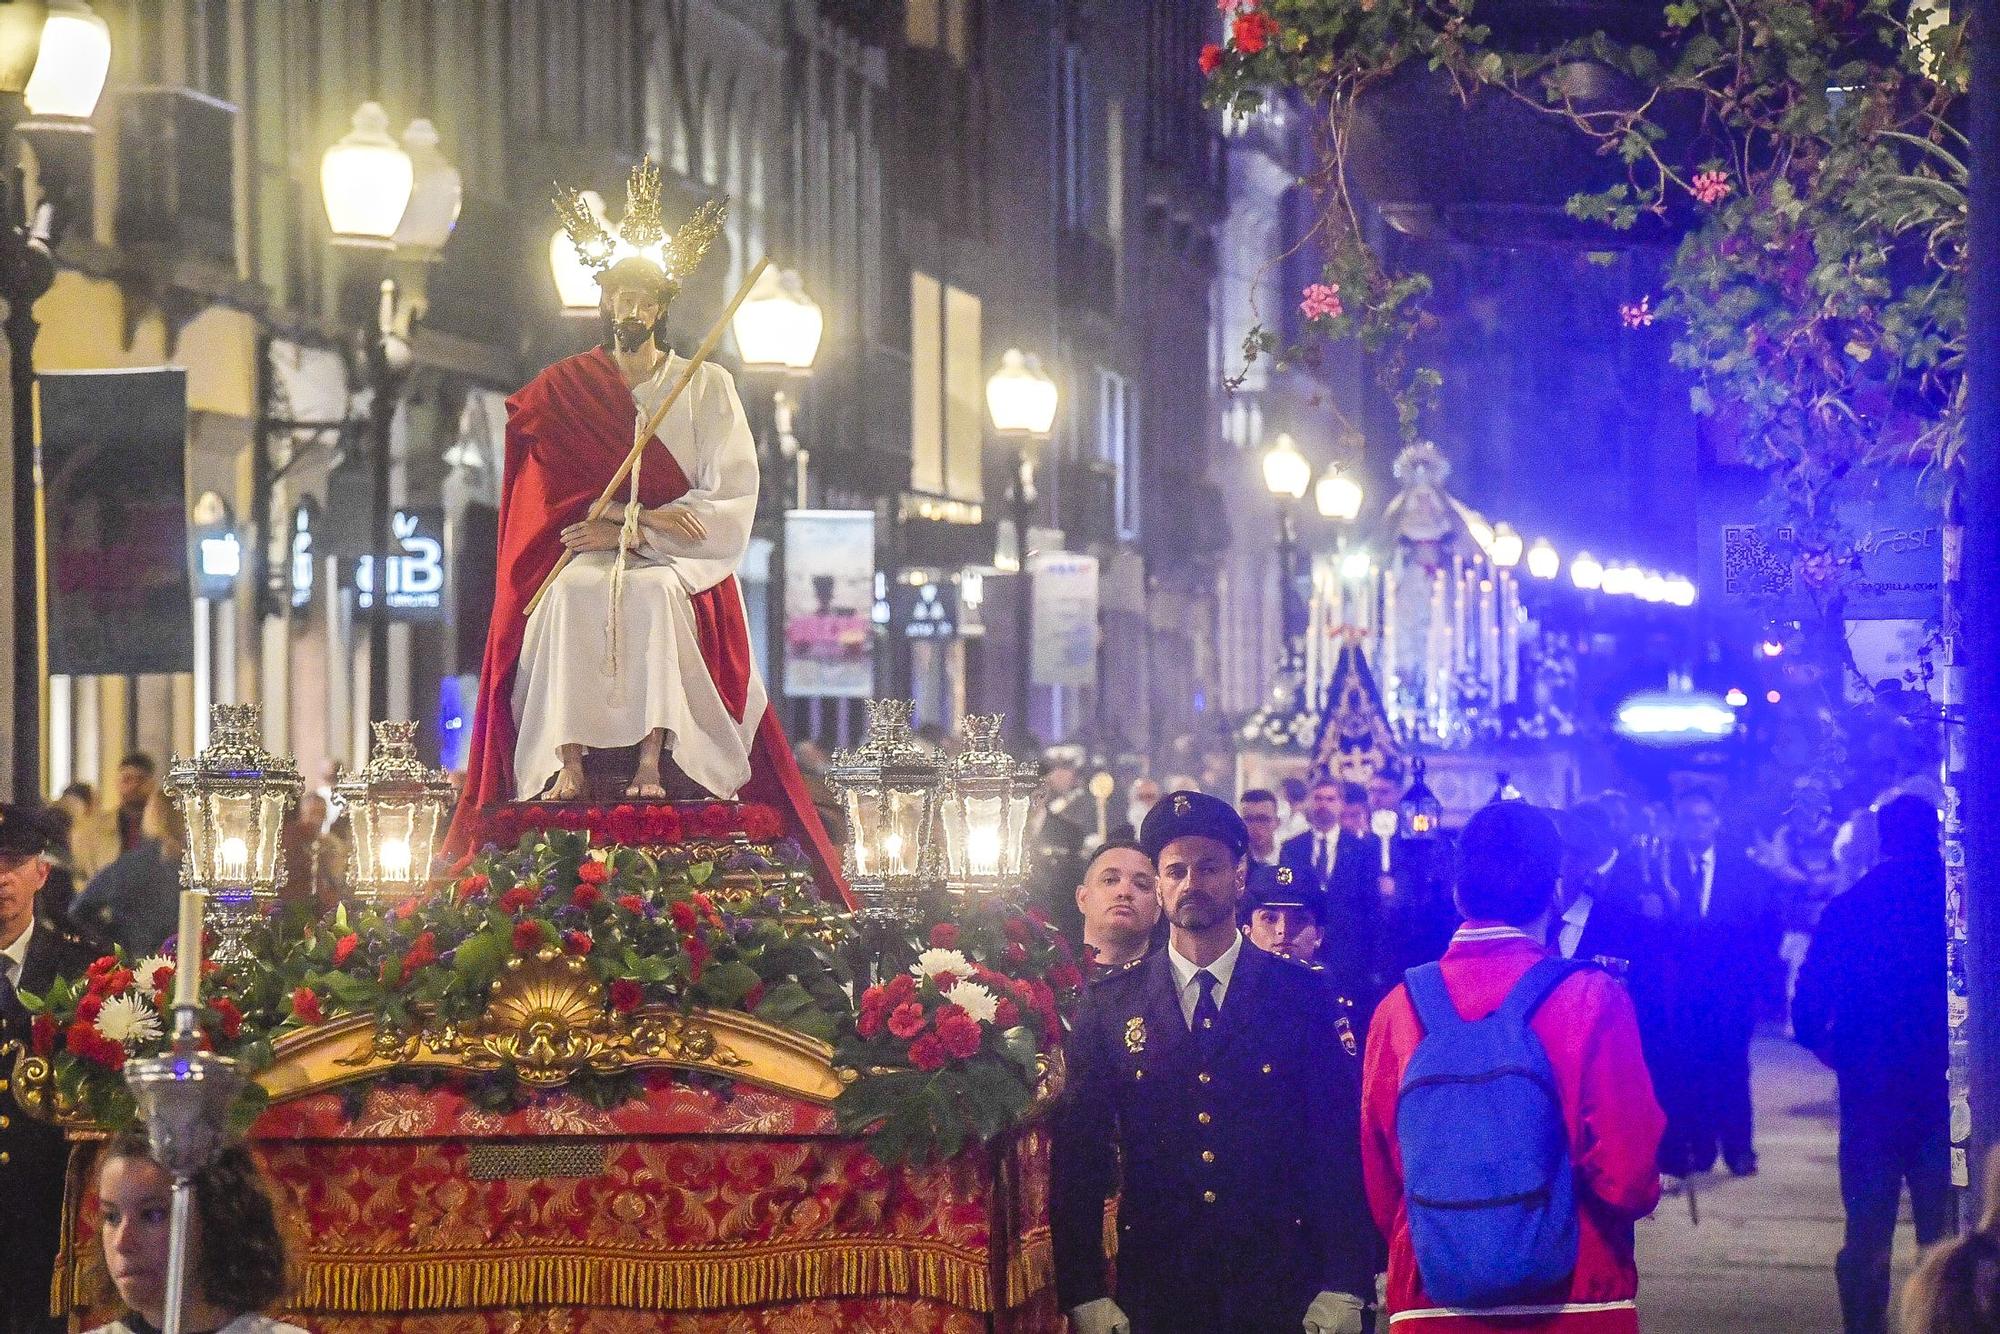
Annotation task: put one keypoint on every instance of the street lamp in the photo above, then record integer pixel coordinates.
(778, 326)
(397, 808)
(986, 800)
(399, 200)
(1505, 548)
(69, 69)
(1021, 399)
(1543, 562)
(52, 63)
(234, 796)
(1338, 495)
(1586, 572)
(1286, 472)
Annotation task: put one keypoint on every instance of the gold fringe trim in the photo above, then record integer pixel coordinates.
(1032, 1268)
(648, 1281)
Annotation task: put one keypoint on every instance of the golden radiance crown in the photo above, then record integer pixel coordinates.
(642, 233)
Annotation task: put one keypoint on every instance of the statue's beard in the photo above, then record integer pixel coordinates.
(631, 334)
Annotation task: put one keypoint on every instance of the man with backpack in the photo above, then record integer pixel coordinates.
(1508, 1126)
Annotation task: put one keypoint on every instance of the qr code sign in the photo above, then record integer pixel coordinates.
(1751, 570)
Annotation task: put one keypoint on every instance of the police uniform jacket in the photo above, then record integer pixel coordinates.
(1238, 1160)
(33, 1154)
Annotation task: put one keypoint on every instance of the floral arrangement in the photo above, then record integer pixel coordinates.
(954, 1049)
(950, 1053)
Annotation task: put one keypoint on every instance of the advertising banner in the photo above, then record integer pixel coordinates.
(829, 599)
(114, 474)
(1065, 618)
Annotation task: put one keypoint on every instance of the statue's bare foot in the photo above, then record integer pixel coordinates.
(645, 784)
(569, 784)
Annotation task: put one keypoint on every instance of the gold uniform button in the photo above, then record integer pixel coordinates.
(1203, 1117)
(1208, 1197)
(6, 1121)
(1138, 1074)
(1267, 1067)
(5, 1158)
(1205, 1077)
(1208, 1155)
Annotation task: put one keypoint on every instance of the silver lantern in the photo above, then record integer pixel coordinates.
(397, 808)
(986, 800)
(890, 787)
(234, 797)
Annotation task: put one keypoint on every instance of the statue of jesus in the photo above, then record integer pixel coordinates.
(641, 637)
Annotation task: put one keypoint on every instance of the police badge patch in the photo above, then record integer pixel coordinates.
(1135, 1034)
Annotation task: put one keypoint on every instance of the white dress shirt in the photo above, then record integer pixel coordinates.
(1704, 869)
(1575, 919)
(1189, 990)
(16, 954)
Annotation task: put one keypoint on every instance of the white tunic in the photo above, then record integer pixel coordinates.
(570, 691)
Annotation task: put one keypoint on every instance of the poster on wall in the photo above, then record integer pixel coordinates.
(829, 596)
(1065, 618)
(114, 477)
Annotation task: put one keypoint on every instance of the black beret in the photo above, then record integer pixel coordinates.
(24, 831)
(1192, 815)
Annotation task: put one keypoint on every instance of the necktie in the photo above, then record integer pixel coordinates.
(1323, 858)
(1206, 1011)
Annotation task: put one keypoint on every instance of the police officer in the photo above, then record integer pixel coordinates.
(34, 951)
(1213, 1071)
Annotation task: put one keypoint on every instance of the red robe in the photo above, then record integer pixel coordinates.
(568, 429)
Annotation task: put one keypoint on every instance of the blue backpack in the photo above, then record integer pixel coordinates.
(1489, 1189)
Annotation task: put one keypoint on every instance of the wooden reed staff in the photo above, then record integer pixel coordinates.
(708, 345)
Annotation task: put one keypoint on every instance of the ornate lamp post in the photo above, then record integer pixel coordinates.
(891, 787)
(401, 200)
(234, 796)
(53, 60)
(398, 808)
(1021, 399)
(986, 803)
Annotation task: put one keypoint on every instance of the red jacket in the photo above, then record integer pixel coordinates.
(1592, 1038)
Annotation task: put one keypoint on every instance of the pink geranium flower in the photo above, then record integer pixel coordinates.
(1321, 299)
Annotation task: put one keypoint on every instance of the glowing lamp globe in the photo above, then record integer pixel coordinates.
(1506, 546)
(1286, 472)
(576, 281)
(397, 808)
(1586, 572)
(891, 788)
(1020, 396)
(1543, 562)
(436, 194)
(365, 182)
(986, 800)
(1338, 495)
(70, 66)
(778, 326)
(234, 796)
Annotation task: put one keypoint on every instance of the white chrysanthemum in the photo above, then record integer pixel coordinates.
(932, 962)
(128, 1020)
(975, 1000)
(151, 964)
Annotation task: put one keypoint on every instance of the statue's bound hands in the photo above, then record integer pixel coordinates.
(678, 523)
(591, 535)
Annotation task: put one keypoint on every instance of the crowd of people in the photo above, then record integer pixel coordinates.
(1324, 1076)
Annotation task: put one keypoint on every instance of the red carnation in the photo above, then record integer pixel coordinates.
(586, 896)
(958, 1032)
(472, 885)
(1006, 1014)
(762, 824)
(517, 898)
(528, 937)
(305, 1007)
(118, 981)
(163, 977)
(1017, 953)
(869, 1024)
(593, 873)
(100, 966)
(343, 948)
(898, 989)
(1016, 928)
(697, 951)
(633, 904)
(87, 1008)
(44, 1030)
(927, 1053)
(944, 936)
(1064, 977)
(626, 995)
(945, 980)
(422, 951)
(578, 942)
(663, 825)
(232, 1018)
(1251, 31)
(906, 1020)
(1211, 59)
(683, 914)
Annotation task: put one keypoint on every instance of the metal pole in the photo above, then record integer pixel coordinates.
(1024, 630)
(24, 276)
(177, 1248)
(381, 421)
(1977, 626)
